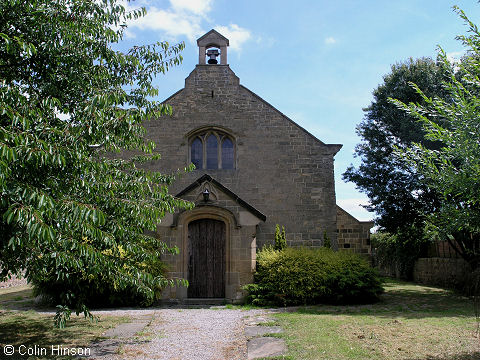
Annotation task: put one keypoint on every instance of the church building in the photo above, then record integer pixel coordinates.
(255, 168)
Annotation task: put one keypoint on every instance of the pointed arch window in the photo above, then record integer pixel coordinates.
(197, 152)
(227, 153)
(212, 150)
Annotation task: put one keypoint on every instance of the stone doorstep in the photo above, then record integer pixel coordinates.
(206, 301)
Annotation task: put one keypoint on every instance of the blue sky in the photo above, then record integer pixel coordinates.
(316, 61)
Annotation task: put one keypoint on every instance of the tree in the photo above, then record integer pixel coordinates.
(453, 170)
(71, 215)
(396, 195)
(399, 199)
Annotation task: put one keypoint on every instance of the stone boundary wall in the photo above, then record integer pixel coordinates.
(444, 272)
(391, 270)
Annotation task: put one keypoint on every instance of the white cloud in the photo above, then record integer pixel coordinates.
(198, 7)
(174, 24)
(185, 18)
(330, 40)
(236, 34)
(454, 57)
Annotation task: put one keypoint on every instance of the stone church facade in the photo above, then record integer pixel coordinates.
(255, 168)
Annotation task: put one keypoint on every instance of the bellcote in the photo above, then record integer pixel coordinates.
(212, 44)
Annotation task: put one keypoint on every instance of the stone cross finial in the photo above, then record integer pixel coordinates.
(212, 39)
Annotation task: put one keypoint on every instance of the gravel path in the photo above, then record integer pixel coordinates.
(192, 334)
(214, 333)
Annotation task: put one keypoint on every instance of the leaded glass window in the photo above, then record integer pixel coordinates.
(212, 150)
(197, 153)
(227, 154)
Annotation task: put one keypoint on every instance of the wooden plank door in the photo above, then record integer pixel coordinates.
(206, 259)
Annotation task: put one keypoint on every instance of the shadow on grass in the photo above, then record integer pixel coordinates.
(15, 329)
(402, 299)
(17, 300)
(22, 299)
(35, 331)
(463, 356)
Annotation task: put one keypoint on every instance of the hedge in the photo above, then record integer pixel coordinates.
(301, 276)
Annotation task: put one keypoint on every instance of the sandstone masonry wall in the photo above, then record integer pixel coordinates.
(444, 272)
(281, 169)
(353, 235)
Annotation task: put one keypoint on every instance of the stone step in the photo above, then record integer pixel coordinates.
(204, 301)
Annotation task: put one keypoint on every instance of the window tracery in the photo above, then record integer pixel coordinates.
(212, 149)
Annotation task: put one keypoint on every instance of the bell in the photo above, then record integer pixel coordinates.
(212, 54)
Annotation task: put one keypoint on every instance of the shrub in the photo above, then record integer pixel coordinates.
(301, 276)
(101, 290)
(280, 238)
(326, 240)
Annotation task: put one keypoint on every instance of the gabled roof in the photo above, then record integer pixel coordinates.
(334, 147)
(213, 34)
(370, 223)
(227, 191)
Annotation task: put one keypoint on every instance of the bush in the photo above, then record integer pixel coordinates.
(101, 290)
(301, 276)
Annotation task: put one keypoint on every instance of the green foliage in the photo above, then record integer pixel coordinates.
(62, 316)
(101, 290)
(326, 240)
(452, 171)
(280, 238)
(309, 276)
(396, 253)
(396, 194)
(64, 313)
(72, 214)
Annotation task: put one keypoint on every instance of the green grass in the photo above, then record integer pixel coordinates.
(244, 307)
(18, 297)
(22, 324)
(410, 322)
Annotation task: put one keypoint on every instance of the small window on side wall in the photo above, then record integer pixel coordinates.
(212, 150)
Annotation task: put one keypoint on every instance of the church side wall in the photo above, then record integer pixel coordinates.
(353, 235)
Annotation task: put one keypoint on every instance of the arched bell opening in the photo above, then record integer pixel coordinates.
(211, 46)
(212, 54)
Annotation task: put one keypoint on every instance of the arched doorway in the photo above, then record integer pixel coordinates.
(206, 258)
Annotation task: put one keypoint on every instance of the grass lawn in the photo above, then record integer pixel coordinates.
(21, 324)
(410, 322)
